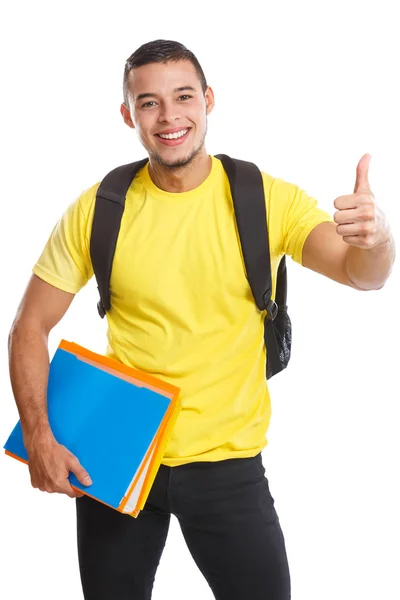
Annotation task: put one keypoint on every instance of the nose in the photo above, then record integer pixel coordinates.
(169, 113)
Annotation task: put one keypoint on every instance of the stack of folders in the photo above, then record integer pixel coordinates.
(115, 419)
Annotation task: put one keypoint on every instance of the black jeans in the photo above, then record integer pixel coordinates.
(227, 516)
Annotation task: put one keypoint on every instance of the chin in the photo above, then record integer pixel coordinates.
(173, 163)
(178, 161)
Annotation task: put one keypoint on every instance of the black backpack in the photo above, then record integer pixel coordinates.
(249, 205)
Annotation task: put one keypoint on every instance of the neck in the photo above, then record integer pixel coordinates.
(181, 179)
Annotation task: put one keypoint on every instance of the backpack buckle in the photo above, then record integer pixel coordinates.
(101, 309)
(272, 309)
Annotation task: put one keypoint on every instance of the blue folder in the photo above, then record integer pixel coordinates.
(106, 422)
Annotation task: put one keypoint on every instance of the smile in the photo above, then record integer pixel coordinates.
(173, 138)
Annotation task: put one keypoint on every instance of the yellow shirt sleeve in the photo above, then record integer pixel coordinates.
(292, 215)
(65, 261)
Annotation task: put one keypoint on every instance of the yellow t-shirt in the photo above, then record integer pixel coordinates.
(182, 308)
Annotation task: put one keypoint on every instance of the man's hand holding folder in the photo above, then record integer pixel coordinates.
(50, 464)
(113, 419)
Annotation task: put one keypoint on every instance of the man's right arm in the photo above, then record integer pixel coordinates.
(41, 308)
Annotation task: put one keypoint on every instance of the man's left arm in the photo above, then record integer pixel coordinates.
(357, 250)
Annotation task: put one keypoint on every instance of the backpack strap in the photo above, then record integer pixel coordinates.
(251, 217)
(249, 203)
(109, 208)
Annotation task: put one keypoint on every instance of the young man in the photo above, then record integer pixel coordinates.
(183, 310)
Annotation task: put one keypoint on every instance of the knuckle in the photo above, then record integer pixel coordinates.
(362, 242)
(364, 199)
(40, 483)
(365, 227)
(70, 493)
(368, 240)
(64, 489)
(50, 486)
(59, 483)
(368, 214)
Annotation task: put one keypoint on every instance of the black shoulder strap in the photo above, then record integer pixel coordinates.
(109, 208)
(249, 203)
(248, 197)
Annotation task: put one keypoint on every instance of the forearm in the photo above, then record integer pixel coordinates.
(29, 370)
(368, 269)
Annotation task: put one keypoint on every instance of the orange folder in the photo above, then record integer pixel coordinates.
(141, 392)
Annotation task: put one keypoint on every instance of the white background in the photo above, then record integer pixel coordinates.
(304, 89)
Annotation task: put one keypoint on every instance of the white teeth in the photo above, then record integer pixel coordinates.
(173, 136)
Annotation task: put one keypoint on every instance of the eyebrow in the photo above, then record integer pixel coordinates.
(176, 90)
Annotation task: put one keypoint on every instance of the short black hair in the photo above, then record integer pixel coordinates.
(160, 51)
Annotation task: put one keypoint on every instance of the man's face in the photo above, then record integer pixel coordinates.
(168, 109)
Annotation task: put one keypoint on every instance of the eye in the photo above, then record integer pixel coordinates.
(147, 104)
(185, 97)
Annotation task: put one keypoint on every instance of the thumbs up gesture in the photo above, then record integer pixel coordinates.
(359, 220)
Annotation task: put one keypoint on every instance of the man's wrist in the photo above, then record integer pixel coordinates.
(41, 430)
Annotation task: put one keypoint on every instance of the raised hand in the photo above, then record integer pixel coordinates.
(359, 220)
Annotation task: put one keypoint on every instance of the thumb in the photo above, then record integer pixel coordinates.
(362, 183)
(79, 472)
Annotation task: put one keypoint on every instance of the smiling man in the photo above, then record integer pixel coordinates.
(182, 310)
(170, 118)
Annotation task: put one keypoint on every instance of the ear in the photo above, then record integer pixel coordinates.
(126, 115)
(210, 100)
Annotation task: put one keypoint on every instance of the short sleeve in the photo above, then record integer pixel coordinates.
(293, 214)
(65, 261)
